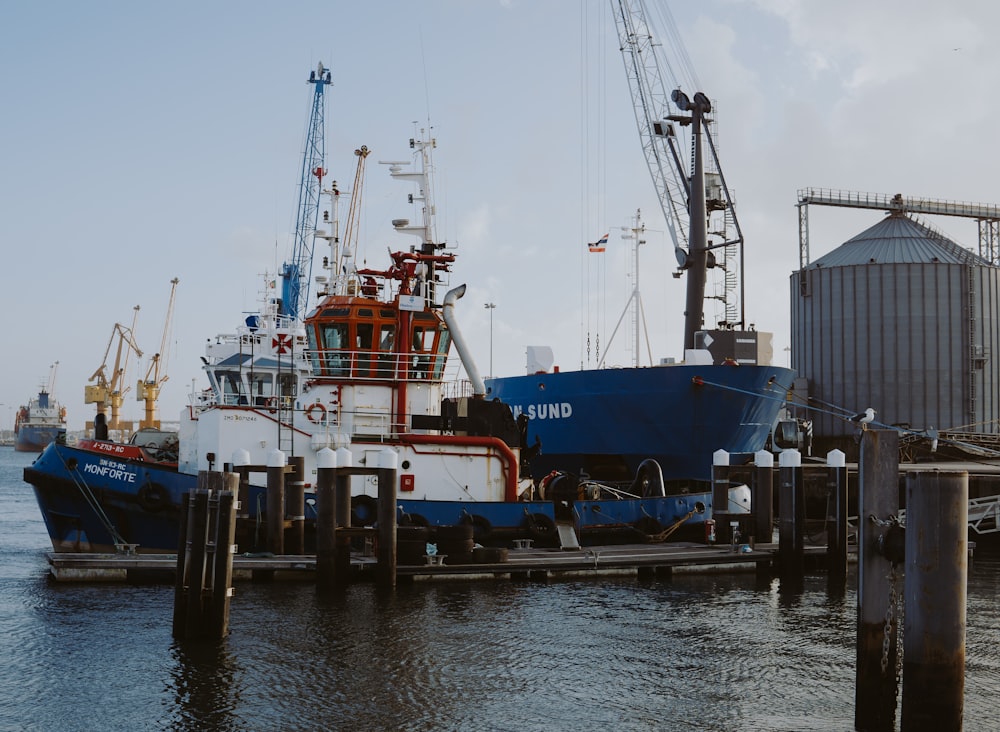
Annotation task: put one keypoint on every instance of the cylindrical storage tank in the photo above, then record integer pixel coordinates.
(902, 320)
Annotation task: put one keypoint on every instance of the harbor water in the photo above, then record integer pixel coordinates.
(693, 652)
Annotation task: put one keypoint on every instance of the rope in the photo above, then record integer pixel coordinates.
(842, 415)
(91, 499)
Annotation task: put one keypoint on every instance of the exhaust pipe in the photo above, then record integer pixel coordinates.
(447, 312)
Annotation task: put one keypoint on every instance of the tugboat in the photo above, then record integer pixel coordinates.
(366, 370)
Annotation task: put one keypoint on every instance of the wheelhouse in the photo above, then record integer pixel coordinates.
(361, 339)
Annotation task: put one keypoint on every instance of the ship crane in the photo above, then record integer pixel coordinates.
(689, 191)
(295, 273)
(108, 392)
(149, 388)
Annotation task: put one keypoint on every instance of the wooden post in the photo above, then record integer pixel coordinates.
(937, 526)
(276, 502)
(791, 516)
(195, 569)
(836, 525)
(180, 577)
(342, 514)
(295, 505)
(385, 573)
(241, 459)
(326, 523)
(762, 498)
(720, 496)
(225, 535)
(878, 500)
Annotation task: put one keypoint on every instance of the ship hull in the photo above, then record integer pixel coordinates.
(606, 422)
(91, 502)
(34, 438)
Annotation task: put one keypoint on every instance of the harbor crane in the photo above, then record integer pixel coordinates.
(296, 272)
(148, 389)
(108, 391)
(702, 221)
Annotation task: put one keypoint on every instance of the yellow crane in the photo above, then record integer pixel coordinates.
(109, 391)
(149, 388)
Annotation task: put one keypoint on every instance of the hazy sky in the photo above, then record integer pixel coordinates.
(145, 141)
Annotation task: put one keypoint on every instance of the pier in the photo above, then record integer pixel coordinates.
(519, 563)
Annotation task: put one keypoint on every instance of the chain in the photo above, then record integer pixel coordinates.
(887, 629)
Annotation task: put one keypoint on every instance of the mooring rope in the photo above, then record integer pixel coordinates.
(91, 499)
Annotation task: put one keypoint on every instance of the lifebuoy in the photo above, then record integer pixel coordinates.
(316, 413)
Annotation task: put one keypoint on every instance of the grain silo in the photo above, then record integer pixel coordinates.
(901, 319)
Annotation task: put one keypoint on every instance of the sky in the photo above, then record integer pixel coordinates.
(140, 142)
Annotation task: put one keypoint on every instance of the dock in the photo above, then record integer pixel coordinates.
(524, 562)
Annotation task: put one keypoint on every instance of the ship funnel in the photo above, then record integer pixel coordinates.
(448, 312)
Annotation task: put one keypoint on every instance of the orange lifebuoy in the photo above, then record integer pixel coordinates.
(316, 413)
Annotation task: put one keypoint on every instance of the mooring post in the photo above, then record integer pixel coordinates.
(762, 497)
(326, 523)
(878, 559)
(295, 504)
(180, 577)
(194, 615)
(386, 554)
(720, 496)
(937, 528)
(791, 515)
(342, 499)
(241, 462)
(276, 502)
(225, 536)
(836, 525)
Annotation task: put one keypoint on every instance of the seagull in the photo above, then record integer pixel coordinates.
(864, 418)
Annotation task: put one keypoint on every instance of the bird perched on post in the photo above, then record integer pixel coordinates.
(864, 418)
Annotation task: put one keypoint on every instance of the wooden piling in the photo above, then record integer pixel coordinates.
(342, 515)
(222, 579)
(203, 586)
(935, 600)
(878, 583)
(791, 516)
(180, 594)
(385, 573)
(196, 565)
(276, 502)
(836, 525)
(720, 496)
(295, 505)
(762, 497)
(326, 476)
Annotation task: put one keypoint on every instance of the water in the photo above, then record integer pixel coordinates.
(698, 652)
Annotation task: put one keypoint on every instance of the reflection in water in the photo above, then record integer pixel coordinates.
(204, 685)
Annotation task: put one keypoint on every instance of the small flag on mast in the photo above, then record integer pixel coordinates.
(598, 246)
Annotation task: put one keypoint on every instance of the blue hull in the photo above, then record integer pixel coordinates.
(90, 502)
(34, 439)
(606, 422)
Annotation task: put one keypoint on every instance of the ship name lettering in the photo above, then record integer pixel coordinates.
(554, 410)
(111, 472)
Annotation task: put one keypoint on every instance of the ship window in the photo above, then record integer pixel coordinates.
(363, 345)
(336, 339)
(442, 353)
(261, 388)
(365, 312)
(386, 339)
(231, 387)
(387, 314)
(336, 312)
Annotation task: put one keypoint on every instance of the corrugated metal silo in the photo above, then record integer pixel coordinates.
(901, 319)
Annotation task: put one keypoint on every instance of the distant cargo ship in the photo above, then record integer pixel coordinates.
(40, 421)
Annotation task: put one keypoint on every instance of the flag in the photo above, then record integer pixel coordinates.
(598, 246)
